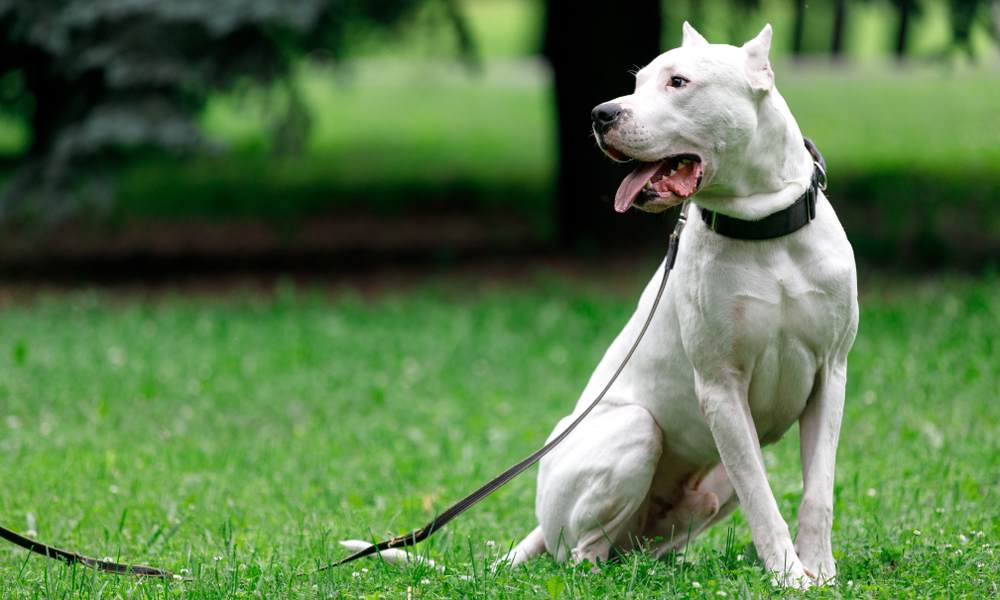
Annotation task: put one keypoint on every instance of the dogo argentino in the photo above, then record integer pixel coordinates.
(752, 335)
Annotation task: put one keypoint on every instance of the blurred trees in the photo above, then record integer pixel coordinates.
(93, 78)
(97, 80)
(963, 16)
(905, 10)
(839, 26)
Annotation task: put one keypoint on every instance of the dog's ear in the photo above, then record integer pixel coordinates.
(758, 66)
(692, 37)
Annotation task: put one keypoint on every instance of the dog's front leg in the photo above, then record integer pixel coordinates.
(728, 415)
(819, 430)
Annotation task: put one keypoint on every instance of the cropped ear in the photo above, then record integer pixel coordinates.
(758, 66)
(692, 37)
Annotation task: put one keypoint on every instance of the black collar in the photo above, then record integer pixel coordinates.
(778, 224)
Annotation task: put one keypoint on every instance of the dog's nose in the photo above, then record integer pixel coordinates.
(605, 115)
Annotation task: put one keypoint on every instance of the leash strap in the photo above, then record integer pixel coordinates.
(71, 558)
(442, 519)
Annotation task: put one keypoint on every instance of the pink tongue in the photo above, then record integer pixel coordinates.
(633, 183)
(683, 182)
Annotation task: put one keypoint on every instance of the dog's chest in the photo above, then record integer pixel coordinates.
(781, 341)
(773, 325)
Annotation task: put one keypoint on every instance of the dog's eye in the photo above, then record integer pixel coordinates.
(677, 81)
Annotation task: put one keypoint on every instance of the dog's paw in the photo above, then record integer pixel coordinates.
(823, 571)
(792, 575)
(818, 560)
(791, 580)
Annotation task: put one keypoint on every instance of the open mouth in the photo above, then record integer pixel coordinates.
(674, 177)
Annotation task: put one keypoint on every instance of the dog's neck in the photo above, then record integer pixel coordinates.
(767, 174)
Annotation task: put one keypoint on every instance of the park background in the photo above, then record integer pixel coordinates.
(274, 274)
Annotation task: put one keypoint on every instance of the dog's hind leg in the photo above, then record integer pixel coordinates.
(593, 488)
(703, 501)
(528, 548)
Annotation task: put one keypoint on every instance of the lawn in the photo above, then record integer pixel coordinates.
(236, 438)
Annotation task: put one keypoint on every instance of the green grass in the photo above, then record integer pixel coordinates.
(237, 438)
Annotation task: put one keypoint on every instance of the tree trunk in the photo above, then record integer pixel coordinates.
(799, 28)
(996, 19)
(592, 49)
(839, 24)
(903, 28)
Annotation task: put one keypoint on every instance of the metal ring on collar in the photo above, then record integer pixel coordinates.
(821, 180)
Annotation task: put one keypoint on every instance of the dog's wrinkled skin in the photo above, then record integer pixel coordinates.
(750, 337)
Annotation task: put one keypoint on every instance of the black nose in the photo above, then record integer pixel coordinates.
(605, 115)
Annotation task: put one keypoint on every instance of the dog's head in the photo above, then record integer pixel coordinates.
(692, 106)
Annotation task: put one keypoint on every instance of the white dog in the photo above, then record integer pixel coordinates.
(751, 335)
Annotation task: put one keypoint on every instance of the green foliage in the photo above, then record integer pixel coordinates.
(912, 168)
(239, 438)
(98, 78)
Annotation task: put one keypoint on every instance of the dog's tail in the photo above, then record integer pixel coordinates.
(530, 547)
(392, 556)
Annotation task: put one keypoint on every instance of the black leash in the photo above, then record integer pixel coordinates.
(418, 535)
(71, 558)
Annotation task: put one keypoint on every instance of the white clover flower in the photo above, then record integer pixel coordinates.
(425, 581)
(871, 492)
(963, 539)
(739, 557)
(491, 544)
(696, 585)
(355, 574)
